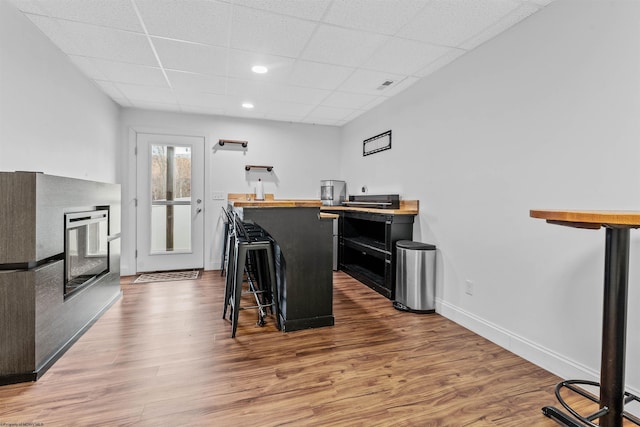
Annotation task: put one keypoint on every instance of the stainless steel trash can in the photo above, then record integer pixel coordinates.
(415, 277)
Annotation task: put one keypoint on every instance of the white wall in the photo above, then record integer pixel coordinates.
(547, 115)
(52, 118)
(301, 155)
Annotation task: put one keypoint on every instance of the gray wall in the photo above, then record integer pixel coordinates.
(544, 116)
(52, 118)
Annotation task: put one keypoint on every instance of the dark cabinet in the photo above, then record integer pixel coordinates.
(367, 247)
(303, 252)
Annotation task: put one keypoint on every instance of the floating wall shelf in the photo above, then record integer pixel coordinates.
(233, 141)
(249, 167)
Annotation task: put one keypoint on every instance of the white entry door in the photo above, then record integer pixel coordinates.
(169, 214)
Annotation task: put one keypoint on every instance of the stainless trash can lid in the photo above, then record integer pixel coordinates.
(416, 246)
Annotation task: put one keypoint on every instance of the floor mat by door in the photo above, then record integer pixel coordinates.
(167, 276)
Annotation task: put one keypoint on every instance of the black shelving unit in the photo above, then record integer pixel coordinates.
(367, 247)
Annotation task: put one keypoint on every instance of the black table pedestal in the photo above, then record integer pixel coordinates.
(614, 331)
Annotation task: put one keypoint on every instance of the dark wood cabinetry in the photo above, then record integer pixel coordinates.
(367, 247)
(37, 322)
(303, 244)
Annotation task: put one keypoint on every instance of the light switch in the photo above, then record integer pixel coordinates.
(217, 195)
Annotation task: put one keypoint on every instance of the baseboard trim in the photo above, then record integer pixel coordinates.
(539, 355)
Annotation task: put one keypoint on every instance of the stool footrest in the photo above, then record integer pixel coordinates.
(577, 420)
(561, 417)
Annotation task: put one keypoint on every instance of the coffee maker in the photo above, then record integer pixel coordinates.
(333, 192)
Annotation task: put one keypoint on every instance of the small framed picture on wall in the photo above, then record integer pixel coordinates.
(377, 143)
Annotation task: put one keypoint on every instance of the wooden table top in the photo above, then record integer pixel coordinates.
(295, 203)
(589, 219)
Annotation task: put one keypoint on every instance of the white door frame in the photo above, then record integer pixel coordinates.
(144, 260)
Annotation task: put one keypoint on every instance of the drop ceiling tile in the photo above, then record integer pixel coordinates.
(406, 57)
(121, 72)
(193, 57)
(259, 31)
(30, 6)
(110, 89)
(297, 118)
(118, 14)
(88, 67)
(137, 93)
(500, 26)
(367, 82)
(244, 88)
(97, 42)
(276, 108)
(323, 122)
(377, 101)
(400, 86)
(54, 31)
(318, 75)
(329, 113)
(197, 21)
(234, 108)
(193, 109)
(351, 116)
(309, 9)
(191, 82)
(329, 56)
(298, 94)
(342, 46)
(201, 99)
(348, 100)
(240, 63)
(275, 91)
(378, 16)
(449, 23)
(160, 106)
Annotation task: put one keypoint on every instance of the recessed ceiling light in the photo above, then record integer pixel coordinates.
(259, 69)
(247, 105)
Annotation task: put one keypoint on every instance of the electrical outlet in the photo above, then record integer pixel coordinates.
(217, 195)
(468, 287)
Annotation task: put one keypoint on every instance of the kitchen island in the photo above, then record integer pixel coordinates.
(303, 256)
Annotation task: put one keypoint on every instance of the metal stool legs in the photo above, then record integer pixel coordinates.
(240, 262)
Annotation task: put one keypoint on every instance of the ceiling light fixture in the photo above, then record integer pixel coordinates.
(247, 105)
(259, 69)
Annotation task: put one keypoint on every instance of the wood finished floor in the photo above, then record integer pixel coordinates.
(162, 356)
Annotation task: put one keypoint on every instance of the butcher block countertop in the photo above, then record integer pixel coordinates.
(276, 203)
(407, 207)
(247, 200)
(241, 200)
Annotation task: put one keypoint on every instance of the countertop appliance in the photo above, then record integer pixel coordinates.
(380, 201)
(333, 192)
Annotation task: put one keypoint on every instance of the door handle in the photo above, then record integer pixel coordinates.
(198, 210)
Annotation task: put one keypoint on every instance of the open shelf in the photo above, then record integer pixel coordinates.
(367, 249)
(371, 246)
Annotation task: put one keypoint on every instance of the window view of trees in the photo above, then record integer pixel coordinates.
(170, 172)
(170, 181)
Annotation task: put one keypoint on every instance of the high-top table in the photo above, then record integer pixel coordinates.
(614, 316)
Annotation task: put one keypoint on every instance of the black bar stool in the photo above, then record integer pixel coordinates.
(226, 218)
(251, 254)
